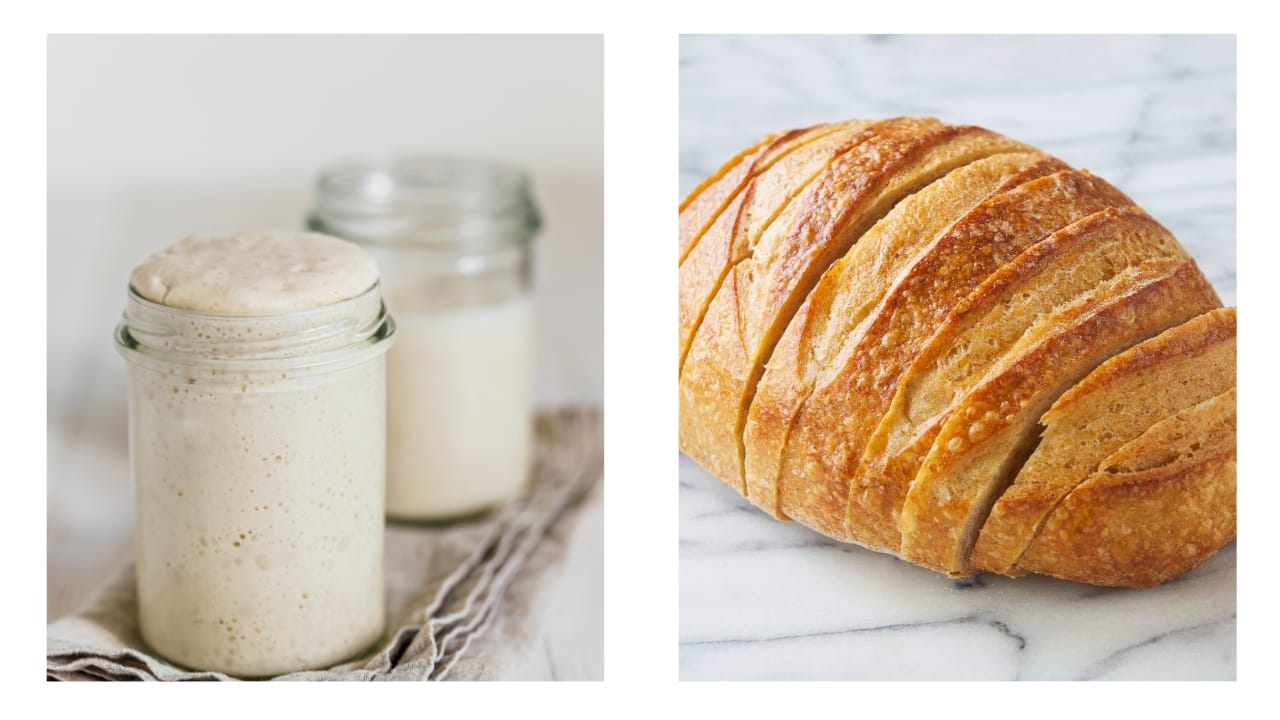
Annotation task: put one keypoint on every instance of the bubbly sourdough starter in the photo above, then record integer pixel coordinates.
(460, 408)
(260, 494)
(255, 273)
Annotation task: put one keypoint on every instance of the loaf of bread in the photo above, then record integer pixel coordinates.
(937, 342)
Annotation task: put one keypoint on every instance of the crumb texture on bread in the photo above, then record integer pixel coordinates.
(1118, 401)
(848, 292)
(1017, 304)
(1156, 508)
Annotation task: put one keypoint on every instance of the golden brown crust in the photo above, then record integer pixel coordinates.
(1115, 403)
(832, 426)
(1213, 328)
(987, 435)
(771, 183)
(851, 288)
(1159, 507)
(758, 297)
(717, 195)
(709, 200)
(725, 174)
(1014, 304)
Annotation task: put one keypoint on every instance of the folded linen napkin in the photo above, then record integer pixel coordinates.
(445, 584)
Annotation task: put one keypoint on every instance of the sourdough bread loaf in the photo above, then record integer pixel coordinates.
(917, 337)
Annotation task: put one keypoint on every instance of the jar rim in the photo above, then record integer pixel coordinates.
(424, 201)
(343, 333)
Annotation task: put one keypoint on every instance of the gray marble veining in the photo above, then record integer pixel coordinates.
(763, 599)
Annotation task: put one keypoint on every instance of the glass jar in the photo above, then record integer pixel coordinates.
(257, 447)
(453, 243)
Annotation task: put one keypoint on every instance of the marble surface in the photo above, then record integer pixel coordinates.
(761, 599)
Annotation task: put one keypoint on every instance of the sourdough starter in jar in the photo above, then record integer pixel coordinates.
(257, 439)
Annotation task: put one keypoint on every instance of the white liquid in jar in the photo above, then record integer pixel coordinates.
(459, 407)
(260, 494)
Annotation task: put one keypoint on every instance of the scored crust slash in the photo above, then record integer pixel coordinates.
(934, 341)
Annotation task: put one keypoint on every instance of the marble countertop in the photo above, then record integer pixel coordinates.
(761, 599)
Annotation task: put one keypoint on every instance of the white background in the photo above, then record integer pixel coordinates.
(152, 138)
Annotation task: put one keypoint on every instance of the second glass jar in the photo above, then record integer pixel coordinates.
(453, 242)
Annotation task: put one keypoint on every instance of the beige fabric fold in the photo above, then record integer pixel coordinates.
(446, 585)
